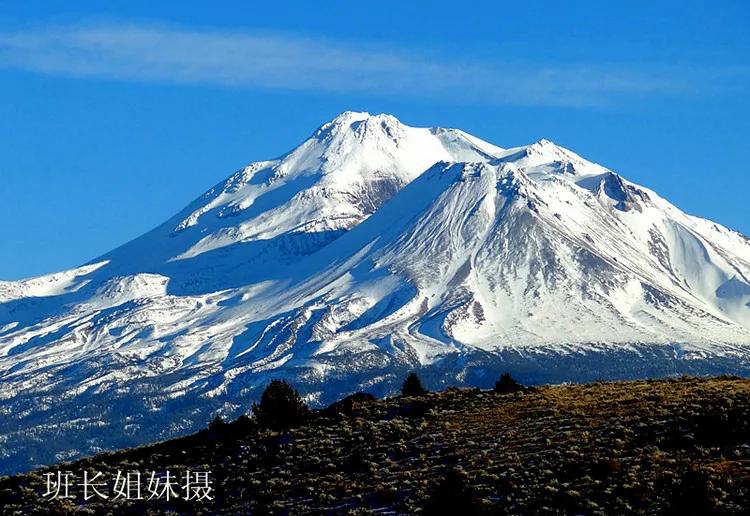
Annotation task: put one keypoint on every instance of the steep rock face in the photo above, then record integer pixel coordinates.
(371, 249)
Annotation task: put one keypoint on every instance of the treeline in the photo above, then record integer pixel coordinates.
(281, 407)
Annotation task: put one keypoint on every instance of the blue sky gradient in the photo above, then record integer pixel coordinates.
(114, 117)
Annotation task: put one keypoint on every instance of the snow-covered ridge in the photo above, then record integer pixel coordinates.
(370, 249)
(46, 285)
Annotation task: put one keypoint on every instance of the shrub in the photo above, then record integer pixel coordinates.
(453, 495)
(412, 386)
(244, 423)
(216, 423)
(414, 409)
(507, 384)
(692, 496)
(217, 428)
(280, 407)
(240, 427)
(348, 405)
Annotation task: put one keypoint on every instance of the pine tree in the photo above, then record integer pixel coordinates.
(507, 384)
(412, 386)
(280, 407)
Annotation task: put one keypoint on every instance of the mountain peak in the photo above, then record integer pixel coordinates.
(356, 120)
(542, 143)
(550, 150)
(546, 157)
(349, 114)
(328, 184)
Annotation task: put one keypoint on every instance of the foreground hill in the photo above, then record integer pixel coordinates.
(678, 446)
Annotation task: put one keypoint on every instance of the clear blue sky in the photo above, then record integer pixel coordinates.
(114, 115)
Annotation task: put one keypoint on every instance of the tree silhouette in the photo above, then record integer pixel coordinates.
(280, 407)
(412, 386)
(507, 384)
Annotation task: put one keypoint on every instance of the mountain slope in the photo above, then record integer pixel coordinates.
(371, 249)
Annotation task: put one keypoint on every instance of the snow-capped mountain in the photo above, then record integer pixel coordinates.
(371, 249)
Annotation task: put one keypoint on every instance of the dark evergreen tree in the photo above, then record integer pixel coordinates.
(280, 407)
(412, 386)
(507, 384)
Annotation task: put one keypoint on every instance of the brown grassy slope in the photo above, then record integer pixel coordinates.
(656, 447)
